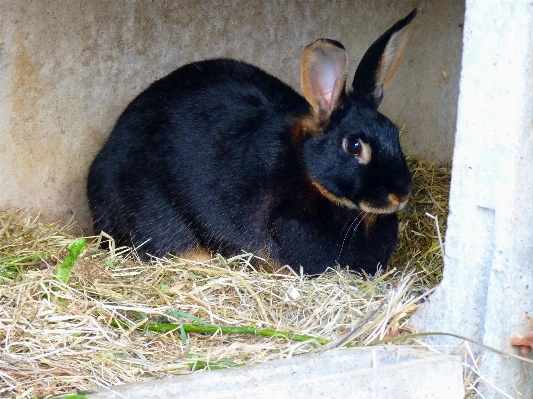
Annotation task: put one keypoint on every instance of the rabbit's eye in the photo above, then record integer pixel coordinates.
(353, 146)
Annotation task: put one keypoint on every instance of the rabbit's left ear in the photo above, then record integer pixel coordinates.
(323, 77)
(380, 62)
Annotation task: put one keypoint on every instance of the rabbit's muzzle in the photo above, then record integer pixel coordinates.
(395, 203)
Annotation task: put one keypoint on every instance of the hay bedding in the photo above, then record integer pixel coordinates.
(98, 330)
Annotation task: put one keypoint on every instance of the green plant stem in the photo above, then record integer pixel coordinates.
(212, 329)
(25, 258)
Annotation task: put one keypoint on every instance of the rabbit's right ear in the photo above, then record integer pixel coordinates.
(380, 62)
(323, 77)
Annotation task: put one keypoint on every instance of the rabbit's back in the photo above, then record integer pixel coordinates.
(194, 153)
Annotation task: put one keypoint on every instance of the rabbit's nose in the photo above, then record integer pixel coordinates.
(403, 204)
(399, 202)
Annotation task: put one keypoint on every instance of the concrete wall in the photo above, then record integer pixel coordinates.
(69, 68)
(485, 293)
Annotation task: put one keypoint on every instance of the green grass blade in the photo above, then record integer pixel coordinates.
(186, 315)
(211, 329)
(25, 258)
(64, 269)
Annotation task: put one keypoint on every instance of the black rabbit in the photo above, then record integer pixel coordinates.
(220, 156)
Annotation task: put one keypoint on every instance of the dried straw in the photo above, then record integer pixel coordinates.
(419, 246)
(97, 330)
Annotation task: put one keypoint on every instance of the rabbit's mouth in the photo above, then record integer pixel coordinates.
(394, 203)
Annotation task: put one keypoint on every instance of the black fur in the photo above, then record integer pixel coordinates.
(214, 155)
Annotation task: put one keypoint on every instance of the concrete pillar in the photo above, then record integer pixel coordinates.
(487, 289)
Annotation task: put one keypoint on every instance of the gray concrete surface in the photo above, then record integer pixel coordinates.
(68, 69)
(367, 373)
(487, 290)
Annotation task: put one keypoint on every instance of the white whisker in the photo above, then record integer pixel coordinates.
(356, 218)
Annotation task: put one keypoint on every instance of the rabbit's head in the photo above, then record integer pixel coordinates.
(351, 152)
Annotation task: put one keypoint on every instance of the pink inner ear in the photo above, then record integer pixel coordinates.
(327, 76)
(327, 98)
(323, 77)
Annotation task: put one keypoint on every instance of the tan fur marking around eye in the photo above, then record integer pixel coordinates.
(342, 201)
(366, 154)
